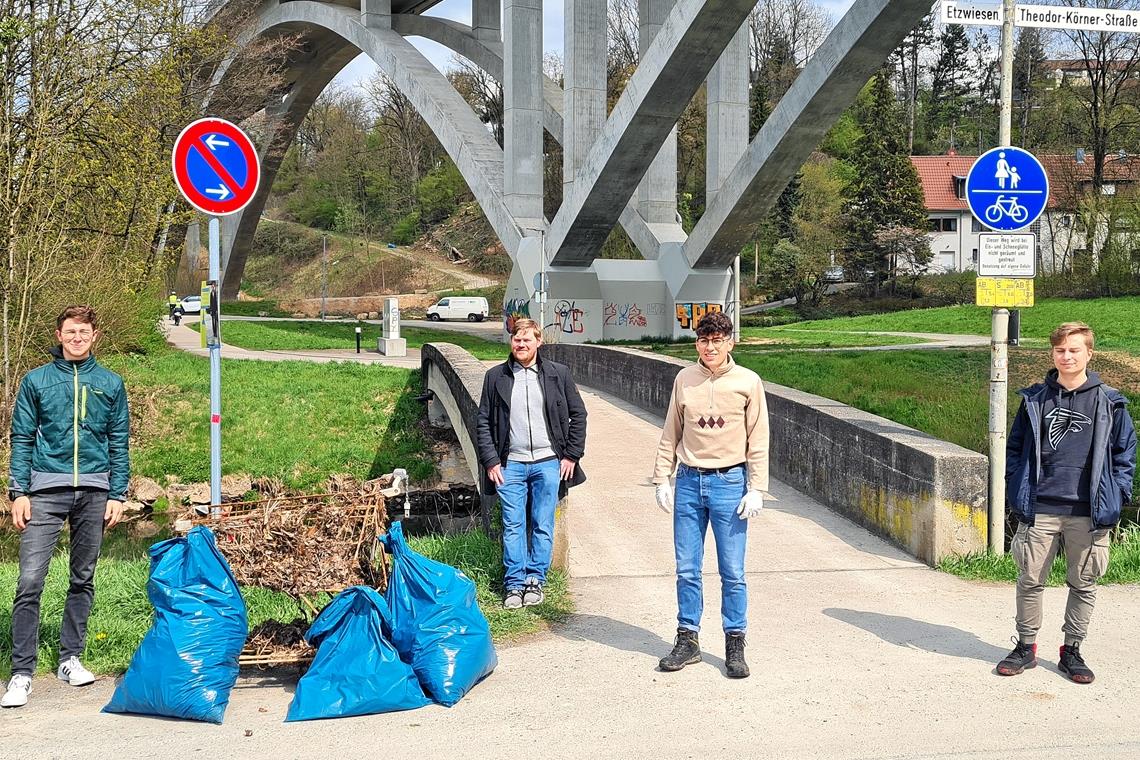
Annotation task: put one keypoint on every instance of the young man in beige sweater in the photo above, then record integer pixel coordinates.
(716, 435)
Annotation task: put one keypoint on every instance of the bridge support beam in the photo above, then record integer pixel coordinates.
(487, 20)
(657, 194)
(522, 111)
(584, 111)
(727, 113)
(376, 14)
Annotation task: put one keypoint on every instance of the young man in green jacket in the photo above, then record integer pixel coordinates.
(70, 462)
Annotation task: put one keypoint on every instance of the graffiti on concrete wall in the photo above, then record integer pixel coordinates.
(689, 314)
(623, 315)
(568, 318)
(513, 309)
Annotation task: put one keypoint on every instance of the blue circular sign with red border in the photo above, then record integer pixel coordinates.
(216, 166)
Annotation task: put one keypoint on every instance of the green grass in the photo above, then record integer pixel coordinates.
(122, 613)
(1123, 566)
(316, 336)
(1113, 319)
(262, 308)
(297, 421)
(769, 338)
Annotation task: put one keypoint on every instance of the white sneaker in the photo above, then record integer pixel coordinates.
(18, 690)
(73, 672)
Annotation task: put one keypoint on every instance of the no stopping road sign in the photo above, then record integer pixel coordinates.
(215, 166)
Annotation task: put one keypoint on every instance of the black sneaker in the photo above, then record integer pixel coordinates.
(1073, 665)
(734, 662)
(532, 595)
(1023, 657)
(513, 599)
(686, 651)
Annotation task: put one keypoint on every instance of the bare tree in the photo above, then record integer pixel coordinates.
(397, 115)
(1109, 98)
(481, 92)
(784, 34)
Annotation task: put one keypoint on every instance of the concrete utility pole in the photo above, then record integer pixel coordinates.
(999, 337)
(324, 273)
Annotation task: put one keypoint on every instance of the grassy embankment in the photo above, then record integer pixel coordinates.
(293, 420)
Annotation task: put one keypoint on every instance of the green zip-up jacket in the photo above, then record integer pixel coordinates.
(70, 429)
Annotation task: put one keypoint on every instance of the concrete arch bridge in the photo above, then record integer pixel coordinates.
(619, 168)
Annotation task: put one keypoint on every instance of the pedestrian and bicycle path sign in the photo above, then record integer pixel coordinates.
(1007, 188)
(216, 166)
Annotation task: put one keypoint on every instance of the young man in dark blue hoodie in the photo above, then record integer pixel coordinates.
(1070, 460)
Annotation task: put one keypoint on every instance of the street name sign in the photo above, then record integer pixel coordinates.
(1004, 292)
(1087, 19)
(1043, 17)
(975, 14)
(1007, 189)
(215, 166)
(1007, 254)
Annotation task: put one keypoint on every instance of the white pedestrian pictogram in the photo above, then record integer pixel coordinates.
(1003, 171)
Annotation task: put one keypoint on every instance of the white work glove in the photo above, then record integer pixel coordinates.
(750, 505)
(665, 497)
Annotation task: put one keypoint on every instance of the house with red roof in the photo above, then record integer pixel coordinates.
(954, 230)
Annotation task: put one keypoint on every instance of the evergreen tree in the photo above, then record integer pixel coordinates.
(950, 77)
(885, 191)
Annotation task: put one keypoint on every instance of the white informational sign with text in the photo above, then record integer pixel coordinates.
(1007, 254)
(1064, 17)
(1043, 16)
(981, 14)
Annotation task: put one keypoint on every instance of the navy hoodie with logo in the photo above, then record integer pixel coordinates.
(1066, 447)
(1071, 452)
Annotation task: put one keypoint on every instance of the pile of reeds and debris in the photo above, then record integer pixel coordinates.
(307, 546)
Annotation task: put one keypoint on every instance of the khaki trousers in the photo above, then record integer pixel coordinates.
(1086, 554)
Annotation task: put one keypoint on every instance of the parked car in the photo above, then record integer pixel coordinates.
(833, 274)
(191, 304)
(459, 307)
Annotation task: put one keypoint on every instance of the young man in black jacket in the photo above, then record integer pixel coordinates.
(1070, 460)
(531, 433)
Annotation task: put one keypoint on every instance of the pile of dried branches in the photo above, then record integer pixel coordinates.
(305, 544)
(277, 643)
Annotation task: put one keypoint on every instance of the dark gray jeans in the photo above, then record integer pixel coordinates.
(84, 510)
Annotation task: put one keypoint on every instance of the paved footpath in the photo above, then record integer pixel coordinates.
(857, 651)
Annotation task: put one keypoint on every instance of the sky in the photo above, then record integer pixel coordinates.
(361, 68)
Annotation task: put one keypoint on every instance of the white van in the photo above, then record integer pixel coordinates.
(459, 307)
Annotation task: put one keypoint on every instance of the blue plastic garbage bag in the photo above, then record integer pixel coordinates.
(188, 661)
(436, 624)
(356, 670)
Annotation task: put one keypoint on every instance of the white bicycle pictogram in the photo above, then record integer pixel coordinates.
(1006, 207)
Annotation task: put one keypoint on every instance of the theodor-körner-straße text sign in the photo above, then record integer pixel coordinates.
(1043, 16)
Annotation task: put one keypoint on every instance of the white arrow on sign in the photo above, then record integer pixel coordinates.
(213, 142)
(221, 191)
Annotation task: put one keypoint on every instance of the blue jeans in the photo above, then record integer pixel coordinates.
(701, 499)
(526, 552)
(84, 510)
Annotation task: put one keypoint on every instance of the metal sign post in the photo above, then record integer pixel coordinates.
(217, 169)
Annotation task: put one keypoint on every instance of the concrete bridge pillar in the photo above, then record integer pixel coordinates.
(522, 111)
(487, 20)
(657, 193)
(727, 102)
(376, 14)
(585, 82)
